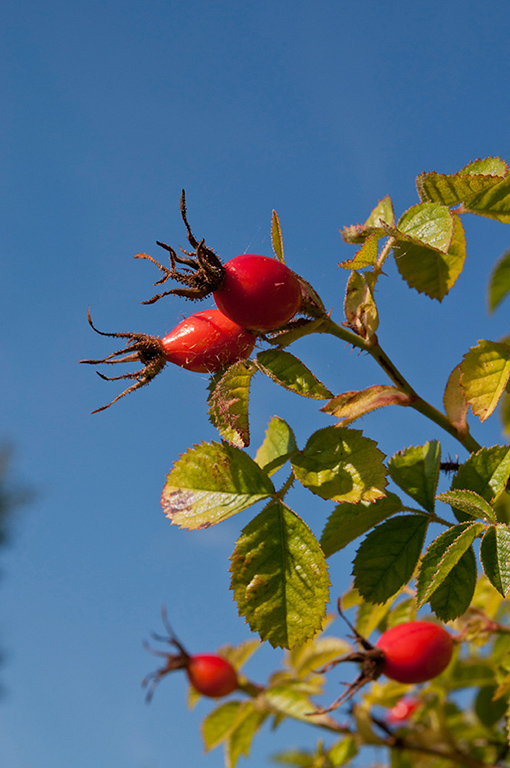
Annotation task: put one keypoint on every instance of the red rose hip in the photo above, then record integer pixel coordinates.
(415, 651)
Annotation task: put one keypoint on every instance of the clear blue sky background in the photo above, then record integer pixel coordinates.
(108, 109)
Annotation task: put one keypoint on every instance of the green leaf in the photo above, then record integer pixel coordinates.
(468, 673)
(453, 596)
(276, 237)
(493, 203)
(388, 556)
(381, 214)
(442, 556)
(238, 655)
(279, 577)
(416, 471)
(314, 654)
(218, 724)
(291, 373)
(430, 249)
(211, 482)
(343, 751)
(349, 406)
(504, 413)
(485, 374)
(228, 402)
(348, 521)
(341, 464)
(455, 404)
(499, 283)
(470, 503)
(365, 257)
(451, 189)
(486, 472)
(277, 447)
(359, 306)
(489, 710)
(249, 720)
(495, 557)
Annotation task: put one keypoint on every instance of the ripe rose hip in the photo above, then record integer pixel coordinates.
(256, 292)
(402, 710)
(209, 674)
(204, 342)
(415, 651)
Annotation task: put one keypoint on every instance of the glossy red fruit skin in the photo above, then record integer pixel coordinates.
(211, 675)
(207, 341)
(258, 292)
(415, 651)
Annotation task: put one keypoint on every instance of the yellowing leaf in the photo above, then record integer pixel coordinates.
(349, 406)
(485, 374)
(454, 401)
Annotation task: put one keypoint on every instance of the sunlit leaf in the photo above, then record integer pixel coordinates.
(217, 724)
(288, 371)
(451, 189)
(211, 482)
(453, 596)
(469, 502)
(277, 447)
(442, 556)
(485, 472)
(365, 257)
(493, 202)
(279, 577)
(495, 556)
(381, 214)
(455, 404)
(228, 402)
(386, 559)
(341, 464)
(485, 374)
(416, 471)
(348, 521)
(249, 720)
(359, 306)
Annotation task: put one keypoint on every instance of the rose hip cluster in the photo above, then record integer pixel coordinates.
(253, 295)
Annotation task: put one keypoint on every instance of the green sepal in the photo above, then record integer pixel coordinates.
(416, 471)
(442, 556)
(229, 400)
(279, 577)
(387, 558)
(341, 464)
(211, 482)
(495, 557)
(278, 446)
(276, 237)
(348, 521)
(288, 371)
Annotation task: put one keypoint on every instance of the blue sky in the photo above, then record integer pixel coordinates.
(109, 109)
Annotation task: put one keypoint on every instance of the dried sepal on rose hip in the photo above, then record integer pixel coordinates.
(205, 342)
(412, 652)
(209, 674)
(256, 292)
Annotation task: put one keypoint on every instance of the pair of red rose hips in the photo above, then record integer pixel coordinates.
(253, 294)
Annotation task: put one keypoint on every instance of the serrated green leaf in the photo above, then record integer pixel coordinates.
(430, 250)
(359, 306)
(365, 257)
(495, 557)
(277, 447)
(276, 237)
(494, 203)
(499, 283)
(485, 374)
(229, 400)
(349, 406)
(386, 559)
(416, 471)
(348, 521)
(469, 502)
(451, 189)
(279, 577)
(485, 472)
(442, 556)
(341, 464)
(249, 720)
(288, 371)
(211, 482)
(381, 215)
(453, 596)
(217, 724)
(455, 404)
